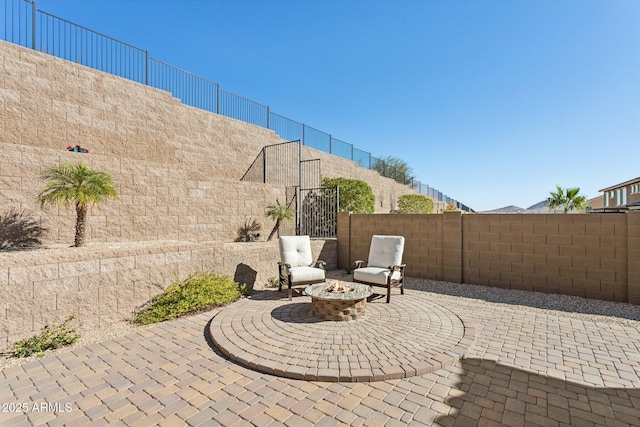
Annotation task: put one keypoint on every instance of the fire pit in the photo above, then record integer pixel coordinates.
(339, 300)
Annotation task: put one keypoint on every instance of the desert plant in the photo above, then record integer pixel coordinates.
(415, 204)
(51, 337)
(394, 168)
(451, 208)
(273, 282)
(19, 231)
(79, 185)
(354, 195)
(244, 289)
(200, 291)
(566, 199)
(279, 213)
(250, 232)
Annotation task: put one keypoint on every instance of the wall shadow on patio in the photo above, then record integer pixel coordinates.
(491, 393)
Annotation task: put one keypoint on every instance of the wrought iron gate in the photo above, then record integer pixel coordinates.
(318, 210)
(316, 207)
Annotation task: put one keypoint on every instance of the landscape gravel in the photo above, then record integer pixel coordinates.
(558, 305)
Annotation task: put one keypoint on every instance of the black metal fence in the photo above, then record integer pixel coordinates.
(318, 210)
(25, 25)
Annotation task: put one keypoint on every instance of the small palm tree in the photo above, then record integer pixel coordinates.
(567, 199)
(278, 213)
(79, 185)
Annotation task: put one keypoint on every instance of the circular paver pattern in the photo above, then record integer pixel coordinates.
(410, 336)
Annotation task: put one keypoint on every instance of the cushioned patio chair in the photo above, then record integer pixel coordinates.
(296, 266)
(384, 267)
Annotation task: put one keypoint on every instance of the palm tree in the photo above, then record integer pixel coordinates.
(278, 213)
(79, 185)
(567, 199)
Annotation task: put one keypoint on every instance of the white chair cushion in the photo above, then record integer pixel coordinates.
(306, 274)
(296, 250)
(385, 251)
(374, 275)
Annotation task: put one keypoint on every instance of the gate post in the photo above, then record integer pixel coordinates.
(343, 234)
(33, 25)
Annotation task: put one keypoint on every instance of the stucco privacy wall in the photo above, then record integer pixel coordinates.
(103, 283)
(593, 255)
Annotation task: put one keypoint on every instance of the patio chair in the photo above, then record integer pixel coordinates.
(296, 266)
(384, 267)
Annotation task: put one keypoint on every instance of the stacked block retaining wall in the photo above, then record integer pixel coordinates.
(177, 171)
(104, 283)
(177, 168)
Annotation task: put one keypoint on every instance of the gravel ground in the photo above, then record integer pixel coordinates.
(554, 304)
(557, 305)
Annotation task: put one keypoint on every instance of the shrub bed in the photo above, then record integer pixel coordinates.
(200, 291)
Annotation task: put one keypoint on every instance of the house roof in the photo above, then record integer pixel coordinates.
(622, 184)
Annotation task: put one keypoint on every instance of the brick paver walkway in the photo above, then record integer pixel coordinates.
(525, 368)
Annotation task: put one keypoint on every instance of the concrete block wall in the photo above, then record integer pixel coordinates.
(583, 255)
(177, 168)
(105, 282)
(633, 256)
(423, 234)
(593, 256)
(177, 171)
(100, 284)
(155, 201)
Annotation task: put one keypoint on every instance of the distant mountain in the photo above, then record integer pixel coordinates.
(508, 209)
(540, 207)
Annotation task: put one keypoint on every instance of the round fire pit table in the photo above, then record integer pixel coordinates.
(348, 304)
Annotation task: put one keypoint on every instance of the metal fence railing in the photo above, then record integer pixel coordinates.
(191, 89)
(25, 25)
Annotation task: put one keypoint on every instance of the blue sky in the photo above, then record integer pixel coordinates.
(492, 102)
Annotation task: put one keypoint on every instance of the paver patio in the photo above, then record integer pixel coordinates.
(526, 367)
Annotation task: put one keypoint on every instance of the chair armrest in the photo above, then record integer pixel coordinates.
(320, 264)
(358, 263)
(399, 268)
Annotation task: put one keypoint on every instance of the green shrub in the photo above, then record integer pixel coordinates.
(51, 337)
(244, 289)
(200, 291)
(415, 204)
(355, 196)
